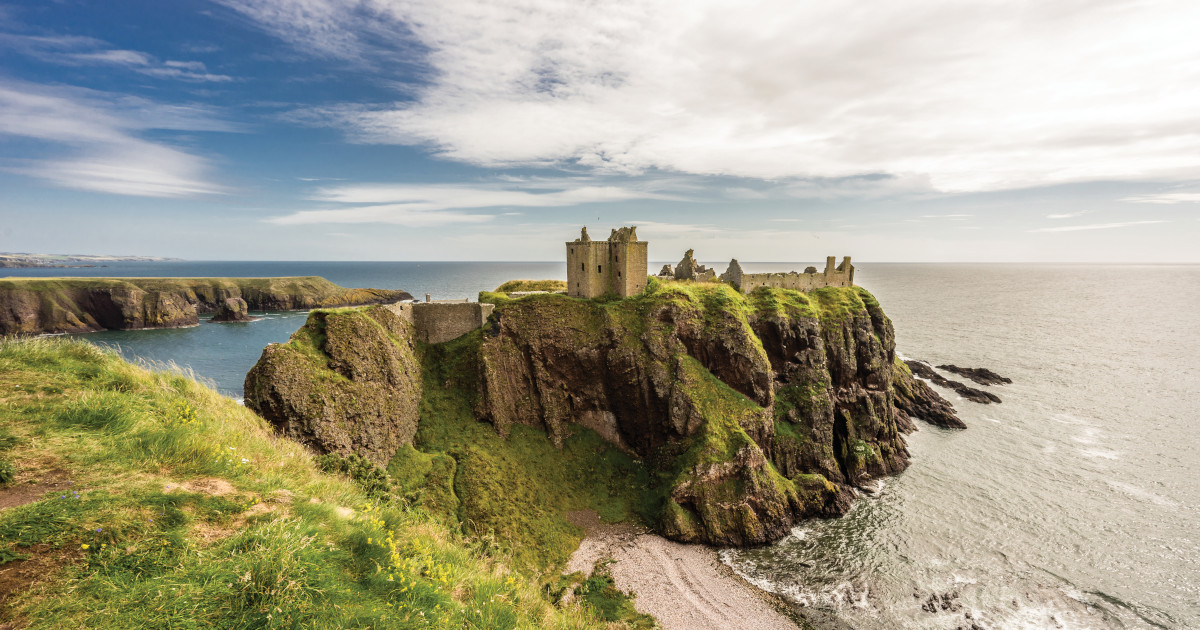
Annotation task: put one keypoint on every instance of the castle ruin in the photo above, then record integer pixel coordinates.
(616, 266)
(834, 276)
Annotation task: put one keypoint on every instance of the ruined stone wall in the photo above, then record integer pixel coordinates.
(436, 322)
(840, 276)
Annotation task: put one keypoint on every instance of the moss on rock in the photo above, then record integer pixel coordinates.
(348, 382)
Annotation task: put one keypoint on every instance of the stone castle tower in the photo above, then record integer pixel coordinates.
(616, 266)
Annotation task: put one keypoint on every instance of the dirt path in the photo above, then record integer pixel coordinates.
(685, 587)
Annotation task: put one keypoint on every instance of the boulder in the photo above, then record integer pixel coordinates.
(233, 309)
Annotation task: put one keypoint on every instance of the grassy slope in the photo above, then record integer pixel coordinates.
(185, 510)
(315, 288)
(518, 490)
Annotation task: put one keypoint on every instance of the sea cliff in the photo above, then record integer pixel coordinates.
(60, 305)
(713, 416)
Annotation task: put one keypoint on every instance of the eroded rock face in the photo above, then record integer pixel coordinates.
(361, 397)
(233, 309)
(756, 417)
(57, 305)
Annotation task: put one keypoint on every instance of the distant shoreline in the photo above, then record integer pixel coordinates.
(22, 260)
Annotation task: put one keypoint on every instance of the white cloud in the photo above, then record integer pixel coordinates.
(100, 132)
(952, 217)
(419, 205)
(87, 51)
(1067, 215)
(972, 96)
(1094, 226)
(1165, 198)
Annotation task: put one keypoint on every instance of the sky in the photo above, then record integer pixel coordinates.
(909, 130)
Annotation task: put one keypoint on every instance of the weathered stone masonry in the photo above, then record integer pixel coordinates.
(840, 276)
(616, 266)
(439, 321)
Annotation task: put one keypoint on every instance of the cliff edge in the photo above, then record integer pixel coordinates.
(737, 415)
(61, 305)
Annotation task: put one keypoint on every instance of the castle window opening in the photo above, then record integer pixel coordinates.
(598, 268)
(581, 267)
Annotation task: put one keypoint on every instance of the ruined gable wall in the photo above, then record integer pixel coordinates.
(840, 276)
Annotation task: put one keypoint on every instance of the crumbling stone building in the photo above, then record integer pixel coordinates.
(616, 266)
(834, 276)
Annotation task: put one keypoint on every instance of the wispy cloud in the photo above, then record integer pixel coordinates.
(1094, 226)
(87, 51)
(920, 89)
(952, 217)
(1067, 215)
(100, 132)
(1166, 198)
(418, 205)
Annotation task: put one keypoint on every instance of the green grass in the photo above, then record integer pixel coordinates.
(184, 510)
(513, 286)
(601, 594)
(516, 491)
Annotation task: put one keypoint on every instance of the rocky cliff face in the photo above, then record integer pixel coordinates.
(57, 305)
(347, 382)
(748, 413)
(754, 411)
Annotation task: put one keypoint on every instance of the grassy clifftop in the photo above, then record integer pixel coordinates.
(54, 305)
(147, 500)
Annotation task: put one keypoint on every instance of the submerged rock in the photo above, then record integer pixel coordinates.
(983, 376)
(233, 309)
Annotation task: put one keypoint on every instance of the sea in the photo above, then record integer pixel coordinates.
(1074, 503)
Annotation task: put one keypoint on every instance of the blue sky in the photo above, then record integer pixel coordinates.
(459, 130)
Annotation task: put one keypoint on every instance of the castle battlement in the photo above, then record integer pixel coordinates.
(618, 266)
(615, 266)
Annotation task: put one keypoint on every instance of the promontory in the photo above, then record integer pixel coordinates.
(64, 305)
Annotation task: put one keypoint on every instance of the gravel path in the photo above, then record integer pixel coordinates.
(684, 587)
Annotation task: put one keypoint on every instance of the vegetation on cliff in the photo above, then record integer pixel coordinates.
(147, 500)
(714, 416)
(750, 412)
(57, 305)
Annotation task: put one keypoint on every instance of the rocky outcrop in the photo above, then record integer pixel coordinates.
(347, 382)
(59, 305)
(925, 371)
(233, 310)
(915, 398)
(756, 411)
(749, 412)
(983, 376)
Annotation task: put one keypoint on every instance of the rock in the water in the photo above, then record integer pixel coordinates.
(915, 398)
(983, 376)
(360, 395)
(924, 370)
(233, 309)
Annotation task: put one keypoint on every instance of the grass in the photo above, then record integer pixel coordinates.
(513, 286)
(517, 490)
(184, 510)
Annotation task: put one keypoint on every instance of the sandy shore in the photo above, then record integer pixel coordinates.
(685, 587)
